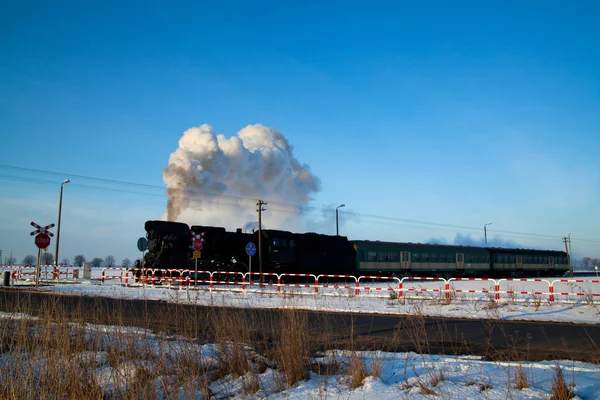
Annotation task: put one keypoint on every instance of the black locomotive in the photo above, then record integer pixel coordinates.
(170, 246)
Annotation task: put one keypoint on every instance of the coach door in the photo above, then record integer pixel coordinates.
(519, 261)
(405, 260)
(551, 262)
(460, 262)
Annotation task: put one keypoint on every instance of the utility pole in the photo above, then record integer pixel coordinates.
(567, 243)
(260, 264)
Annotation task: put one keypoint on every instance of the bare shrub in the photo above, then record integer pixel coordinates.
(520, 378)
(426, 391)
(357, 370)
(293, 349)
(250, 383)
(560, 390)
(436, 378)
(376, 367)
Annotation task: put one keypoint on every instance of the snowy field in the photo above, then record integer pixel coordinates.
(517, 300)
(349, 375)
(381, 375)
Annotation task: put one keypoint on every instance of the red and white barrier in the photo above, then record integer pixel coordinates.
(412, 289)
(575, 288)
(367, 289)
(363, 285)
(111, 273)
(487, 286)
(336, 285)
(298, 285)
(535, 287)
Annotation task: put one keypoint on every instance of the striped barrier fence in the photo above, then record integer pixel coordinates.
(578, 283)
(297, 285)
(534, 283)
(247, 280)
(454, 290)
(378, 278)
(107, 273)
(422, 290)
(344, 285)
(228, 275)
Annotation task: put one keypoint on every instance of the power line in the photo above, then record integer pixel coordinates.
(192, 197)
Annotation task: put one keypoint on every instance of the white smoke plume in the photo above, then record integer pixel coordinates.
(216, 181)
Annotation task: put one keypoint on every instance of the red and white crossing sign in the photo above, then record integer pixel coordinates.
(197, 240)
(42, 240)
(42, 229)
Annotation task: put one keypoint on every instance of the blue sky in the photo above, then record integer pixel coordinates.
(450, 114)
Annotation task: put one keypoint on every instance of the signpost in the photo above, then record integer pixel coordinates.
(142, 245)
(42, 241)
(250, 250)
(197, 240)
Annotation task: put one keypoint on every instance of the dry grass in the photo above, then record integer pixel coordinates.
(357, 369)
(436, 378)
(55, 356)
(520, 378)
(560, 390)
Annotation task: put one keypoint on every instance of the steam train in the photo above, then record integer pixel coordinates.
(170, 247)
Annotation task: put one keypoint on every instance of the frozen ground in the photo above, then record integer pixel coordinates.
(385, 376)
(470, 299)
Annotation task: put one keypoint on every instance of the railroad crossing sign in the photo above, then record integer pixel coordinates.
(197, 240)
(250, 249)
(42, 240)
(40, 229)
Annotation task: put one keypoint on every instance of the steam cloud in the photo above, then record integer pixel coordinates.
(213, 180)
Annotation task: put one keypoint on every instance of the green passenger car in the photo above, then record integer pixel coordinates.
(417, 259)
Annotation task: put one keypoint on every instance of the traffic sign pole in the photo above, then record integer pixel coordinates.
(250, 250)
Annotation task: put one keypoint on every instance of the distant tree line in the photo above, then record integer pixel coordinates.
(78, 260)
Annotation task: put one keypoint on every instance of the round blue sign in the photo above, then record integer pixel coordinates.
(250, 249)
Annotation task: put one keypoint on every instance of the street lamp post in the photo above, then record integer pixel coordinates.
(485, 231)
(58, 226)
(337, 229)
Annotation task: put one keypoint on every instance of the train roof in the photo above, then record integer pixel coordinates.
(415, 246)
(166, 226)
(505, 250)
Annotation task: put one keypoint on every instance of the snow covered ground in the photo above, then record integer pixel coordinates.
(469, 299)
(388, 375)
(351, 375)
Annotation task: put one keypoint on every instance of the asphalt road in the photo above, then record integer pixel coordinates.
(490, 339)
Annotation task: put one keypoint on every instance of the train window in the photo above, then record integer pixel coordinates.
(442, 258)
(416, 257)
(451, 258)
(383, 256)
(275, 242)
(425, 257)
(535, 259)
(394, 257)
(284, 243)
(434, 258)
(469, 259)
(545, 260)
(372, 256)
(291, 243)
(513, 259)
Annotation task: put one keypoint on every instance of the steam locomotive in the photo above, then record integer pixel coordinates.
(170, 246)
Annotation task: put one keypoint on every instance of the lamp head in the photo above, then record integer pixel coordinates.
(66, 181)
